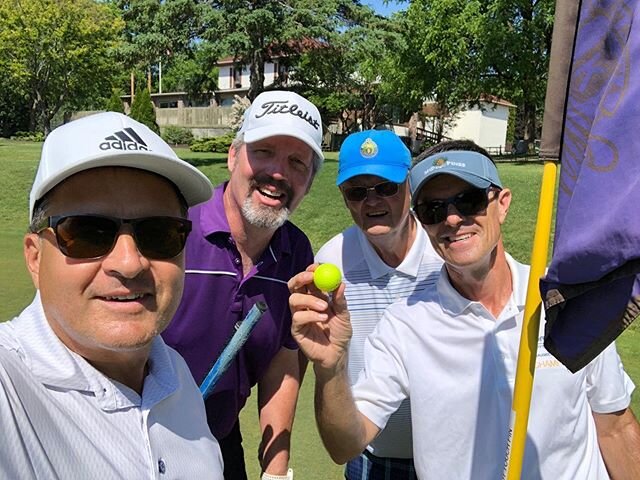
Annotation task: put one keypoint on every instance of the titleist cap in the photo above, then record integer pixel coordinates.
(280, 112)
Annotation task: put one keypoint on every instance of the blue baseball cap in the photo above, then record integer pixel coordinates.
(472, 167)
(373, 152)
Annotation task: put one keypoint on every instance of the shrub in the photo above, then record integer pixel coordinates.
(177, 135)
(202, 145)
(219, 144)
(142, 110)
(29, 136)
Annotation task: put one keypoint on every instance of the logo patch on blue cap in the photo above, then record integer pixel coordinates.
(438, 162)
(369, 148)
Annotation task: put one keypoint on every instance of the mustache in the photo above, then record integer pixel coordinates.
(263, 180)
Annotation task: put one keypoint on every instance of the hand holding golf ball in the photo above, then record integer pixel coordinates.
(327, 277)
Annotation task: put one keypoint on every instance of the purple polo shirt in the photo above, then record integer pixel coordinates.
(216, 297)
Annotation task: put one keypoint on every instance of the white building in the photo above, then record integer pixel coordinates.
(485, 124)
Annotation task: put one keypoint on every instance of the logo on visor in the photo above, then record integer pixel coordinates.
(438, 162)
(369, 148)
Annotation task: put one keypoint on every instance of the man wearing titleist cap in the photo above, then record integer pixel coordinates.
(452, 349)
(242, 251)
(88, 388)
(384, 257)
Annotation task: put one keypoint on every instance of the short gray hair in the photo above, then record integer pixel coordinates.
(39, 214)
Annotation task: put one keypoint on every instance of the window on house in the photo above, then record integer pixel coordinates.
(236, 77)
(281, 72)
(169, 104)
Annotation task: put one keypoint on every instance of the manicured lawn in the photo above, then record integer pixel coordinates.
(321, 215)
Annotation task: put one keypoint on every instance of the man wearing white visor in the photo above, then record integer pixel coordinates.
(453, 348)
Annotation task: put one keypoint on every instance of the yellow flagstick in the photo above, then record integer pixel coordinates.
(530, 327)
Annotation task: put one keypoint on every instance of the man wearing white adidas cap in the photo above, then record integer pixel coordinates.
(88, 388)
(243, 250)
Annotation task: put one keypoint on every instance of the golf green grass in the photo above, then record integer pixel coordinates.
(321, 215)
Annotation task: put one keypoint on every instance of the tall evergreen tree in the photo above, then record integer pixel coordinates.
(114, 103)
(143, 111)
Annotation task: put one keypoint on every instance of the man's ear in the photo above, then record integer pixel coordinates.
(32, 247)
(231, 158)
(504, 201)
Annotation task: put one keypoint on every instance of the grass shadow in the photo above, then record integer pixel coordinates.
(204, 160)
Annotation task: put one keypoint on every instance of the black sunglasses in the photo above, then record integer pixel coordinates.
(468, 202)
(358, 194)
(93, 236)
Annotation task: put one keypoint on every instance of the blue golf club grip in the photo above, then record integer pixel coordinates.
(233, 347)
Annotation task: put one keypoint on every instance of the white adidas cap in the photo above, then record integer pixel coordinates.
(112, 139)
(278, 112)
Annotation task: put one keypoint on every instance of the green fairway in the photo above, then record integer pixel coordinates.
(321, 215)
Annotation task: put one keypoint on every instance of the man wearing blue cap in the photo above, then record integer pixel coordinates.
(388, 250)
(452, 349)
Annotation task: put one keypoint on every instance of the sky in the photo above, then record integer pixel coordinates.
(386, 10)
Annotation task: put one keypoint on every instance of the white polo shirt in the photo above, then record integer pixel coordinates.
(457, 363)
(371, 286)
(62, 418)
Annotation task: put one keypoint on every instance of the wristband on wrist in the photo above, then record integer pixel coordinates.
(268, 476)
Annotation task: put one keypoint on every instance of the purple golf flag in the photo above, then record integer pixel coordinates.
(591, 292)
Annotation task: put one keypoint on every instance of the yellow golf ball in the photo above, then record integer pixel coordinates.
(327, 277)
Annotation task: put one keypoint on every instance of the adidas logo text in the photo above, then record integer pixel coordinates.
(126, 139)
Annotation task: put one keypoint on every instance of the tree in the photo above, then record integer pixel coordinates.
(345, 77)
(114, 104)
(191, 72)
(440, 38)
(57, 52)
(156, 30)
(255, 32)
(14, 113)
(459, 50)
(521, 31)
(142, 110)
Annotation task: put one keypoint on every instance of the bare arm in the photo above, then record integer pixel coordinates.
(322, 329)
(277, 398)
(619, 440)
(345, 431)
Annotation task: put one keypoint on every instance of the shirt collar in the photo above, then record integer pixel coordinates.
(409, 266)
(455, 304)
(210, 215)
(51, 362)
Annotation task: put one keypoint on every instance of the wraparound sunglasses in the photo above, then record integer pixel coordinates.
(468, 202)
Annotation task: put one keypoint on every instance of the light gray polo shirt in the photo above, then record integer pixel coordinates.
(62, 418)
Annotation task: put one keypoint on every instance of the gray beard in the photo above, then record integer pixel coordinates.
(262, 216)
